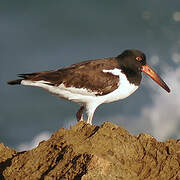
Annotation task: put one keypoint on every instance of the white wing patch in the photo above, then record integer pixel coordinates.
(115, 71)
(79, 95)
(74, 90)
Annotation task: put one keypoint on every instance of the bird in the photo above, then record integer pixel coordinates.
(91, 83)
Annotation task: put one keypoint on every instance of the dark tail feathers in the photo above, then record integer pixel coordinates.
(24, 76)
(28, 75)
(14, 82)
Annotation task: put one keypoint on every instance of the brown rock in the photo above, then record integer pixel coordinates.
(91, 152)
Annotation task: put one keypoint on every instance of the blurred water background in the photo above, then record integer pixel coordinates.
(44, 35)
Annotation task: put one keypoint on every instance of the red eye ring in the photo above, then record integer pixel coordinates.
(139, 58)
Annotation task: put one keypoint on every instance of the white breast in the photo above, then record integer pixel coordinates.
(125, 88)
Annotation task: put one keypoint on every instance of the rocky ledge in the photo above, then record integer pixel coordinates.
(92, 152)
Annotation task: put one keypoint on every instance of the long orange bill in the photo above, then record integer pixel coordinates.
(150, 72)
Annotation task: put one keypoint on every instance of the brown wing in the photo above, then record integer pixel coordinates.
(87, 74)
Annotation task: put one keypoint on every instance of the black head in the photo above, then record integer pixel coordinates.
(130, 62)
(133, 58)
(133, 62)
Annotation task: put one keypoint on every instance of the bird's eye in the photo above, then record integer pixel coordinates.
(139, 58)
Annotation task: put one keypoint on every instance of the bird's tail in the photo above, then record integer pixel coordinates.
(15, 82)
(24, 76)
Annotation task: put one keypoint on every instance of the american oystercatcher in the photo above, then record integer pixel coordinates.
(94, 82)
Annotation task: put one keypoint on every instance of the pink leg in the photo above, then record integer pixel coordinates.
(90, 112)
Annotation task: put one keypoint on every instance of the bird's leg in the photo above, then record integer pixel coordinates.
(90, 112)
(89, 119)
(79, 114)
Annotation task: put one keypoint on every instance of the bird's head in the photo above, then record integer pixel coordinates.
(136, 59)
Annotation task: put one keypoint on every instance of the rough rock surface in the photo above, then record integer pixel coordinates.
(92, 152)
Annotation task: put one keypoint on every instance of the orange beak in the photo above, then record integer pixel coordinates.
(150, 72)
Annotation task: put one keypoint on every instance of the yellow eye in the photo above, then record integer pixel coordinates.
(139, 58)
